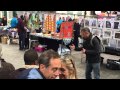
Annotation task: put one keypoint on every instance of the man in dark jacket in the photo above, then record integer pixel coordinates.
(92, 53)
(76, 29)
(21, 33)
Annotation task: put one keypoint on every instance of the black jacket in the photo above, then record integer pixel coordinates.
(76, 28)
(92, 52)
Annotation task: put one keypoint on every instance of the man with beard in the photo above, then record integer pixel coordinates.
(92, 53)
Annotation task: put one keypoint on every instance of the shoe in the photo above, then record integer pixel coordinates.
(26, 47)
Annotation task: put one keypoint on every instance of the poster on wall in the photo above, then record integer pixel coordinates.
(96, 32)
(105, 42)
(107, 34)
(46, 22)
(100, 23)
(94, 23)
(86, 23)
(50, 22)
(108, 24)
(116, 35)
(116, 25)
(66, 30)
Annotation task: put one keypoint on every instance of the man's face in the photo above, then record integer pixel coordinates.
(53, 70)
(85, 34)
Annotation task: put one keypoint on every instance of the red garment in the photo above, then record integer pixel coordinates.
(20, 25)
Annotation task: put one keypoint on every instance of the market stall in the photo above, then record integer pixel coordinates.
(54, 40)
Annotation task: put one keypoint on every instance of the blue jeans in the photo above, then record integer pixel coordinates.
(95, 67)
(22, 40)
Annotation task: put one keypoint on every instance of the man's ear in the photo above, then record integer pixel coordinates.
(42, 67)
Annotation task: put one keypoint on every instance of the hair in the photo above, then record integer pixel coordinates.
(22, 17)
(6, 69)
(85, 29)
(46, 56)
(15, 15)
(30, 15)
(30, 57)
(68, 61)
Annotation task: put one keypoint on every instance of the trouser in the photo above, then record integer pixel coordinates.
(22, 40)
(95, 67)
(76, 41)
(27, 40)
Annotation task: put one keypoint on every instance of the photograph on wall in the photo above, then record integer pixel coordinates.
(96, 32)
(86, 23)
(117, 35)
(94, 23)
(108, 24)
(112, 42)
(107, 34)
(100, 23)
(118, 43)
(116, 25)
(66, 30)
(105, 42)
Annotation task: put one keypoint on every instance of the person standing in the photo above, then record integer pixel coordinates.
(14, 21)
(27, 31)
(59, 24)
(92, 53)
(21, 33)
(76, 28)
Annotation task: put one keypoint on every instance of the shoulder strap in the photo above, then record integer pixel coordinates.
(92, 39)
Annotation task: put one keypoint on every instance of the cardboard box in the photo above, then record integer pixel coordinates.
(4, 39)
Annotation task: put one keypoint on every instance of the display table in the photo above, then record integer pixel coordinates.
(52, 43)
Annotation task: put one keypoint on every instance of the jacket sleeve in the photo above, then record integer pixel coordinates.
(78, 49)
(96, 46)
(22, 25)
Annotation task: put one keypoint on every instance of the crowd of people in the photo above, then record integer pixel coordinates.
(48, 65)
(24, 25)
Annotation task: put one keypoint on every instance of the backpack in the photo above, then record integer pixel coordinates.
(102, 48)
(24, 74)
(113, 64)
(14, 74)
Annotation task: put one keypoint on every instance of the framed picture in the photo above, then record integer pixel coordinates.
(105, 42)
(108, 24)
(116, 35)
(86, 23)
(94, 23)
(107, 34)
(100, 23)
(112, 42)
(96, 32)
(116, 25)
(118, 43)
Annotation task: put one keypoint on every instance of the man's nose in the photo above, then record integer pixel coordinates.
(58, 72)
